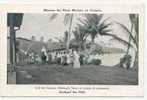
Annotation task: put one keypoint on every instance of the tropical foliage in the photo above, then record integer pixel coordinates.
(94, 25)
(133, 40)
(80, 36)
(90, 24)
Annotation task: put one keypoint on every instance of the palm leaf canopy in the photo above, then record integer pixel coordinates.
(104, 30)
(94, 27)
(128, 32)
(79, 33)
(91, 23)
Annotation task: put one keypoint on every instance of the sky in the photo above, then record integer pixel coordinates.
(40, 25)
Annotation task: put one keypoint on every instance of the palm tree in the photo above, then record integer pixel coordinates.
(132, 43)
(68, 18)
(129, 33)
(135, 21)
(133, 40)
(90, 24)
(134, 18)
(94, 26)
(80, 36)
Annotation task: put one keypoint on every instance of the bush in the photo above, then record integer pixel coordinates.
(96, 61)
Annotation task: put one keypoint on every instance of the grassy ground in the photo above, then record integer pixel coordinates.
(87, 74)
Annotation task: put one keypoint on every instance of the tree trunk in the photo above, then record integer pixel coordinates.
(92, 45)
(129, 40)
(132, 52)
(69, 32)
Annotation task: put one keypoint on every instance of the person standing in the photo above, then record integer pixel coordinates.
(68, 58)
(43, 57)
(72, 58)
(49, 58)
(76, 60)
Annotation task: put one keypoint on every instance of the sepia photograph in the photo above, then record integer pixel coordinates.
(72, 48)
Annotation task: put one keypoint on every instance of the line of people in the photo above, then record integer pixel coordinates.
(66, 58)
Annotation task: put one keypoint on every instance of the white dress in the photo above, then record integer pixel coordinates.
(68, 59)
(76, 60)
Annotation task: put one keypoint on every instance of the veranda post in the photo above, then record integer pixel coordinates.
(14, 21)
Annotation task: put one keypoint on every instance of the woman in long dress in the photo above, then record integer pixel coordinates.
(68, 58)
(76, 60)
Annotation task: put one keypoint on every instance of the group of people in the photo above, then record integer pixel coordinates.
(70, 57)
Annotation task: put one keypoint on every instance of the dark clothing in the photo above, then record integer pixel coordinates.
(81, 59)
(43, 57)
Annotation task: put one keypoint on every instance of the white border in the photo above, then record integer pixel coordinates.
(29, 90)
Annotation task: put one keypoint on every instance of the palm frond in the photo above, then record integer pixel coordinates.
(104, 21)
(84, 22)
(53, 16)
(118, 39)
(128, 32)
(104, 26)
(98, 18)
(105, 31)
(134, 18)
(122, 42)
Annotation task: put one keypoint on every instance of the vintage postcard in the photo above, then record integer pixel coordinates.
(71, 50)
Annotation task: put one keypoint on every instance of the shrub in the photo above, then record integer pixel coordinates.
(96, 61)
